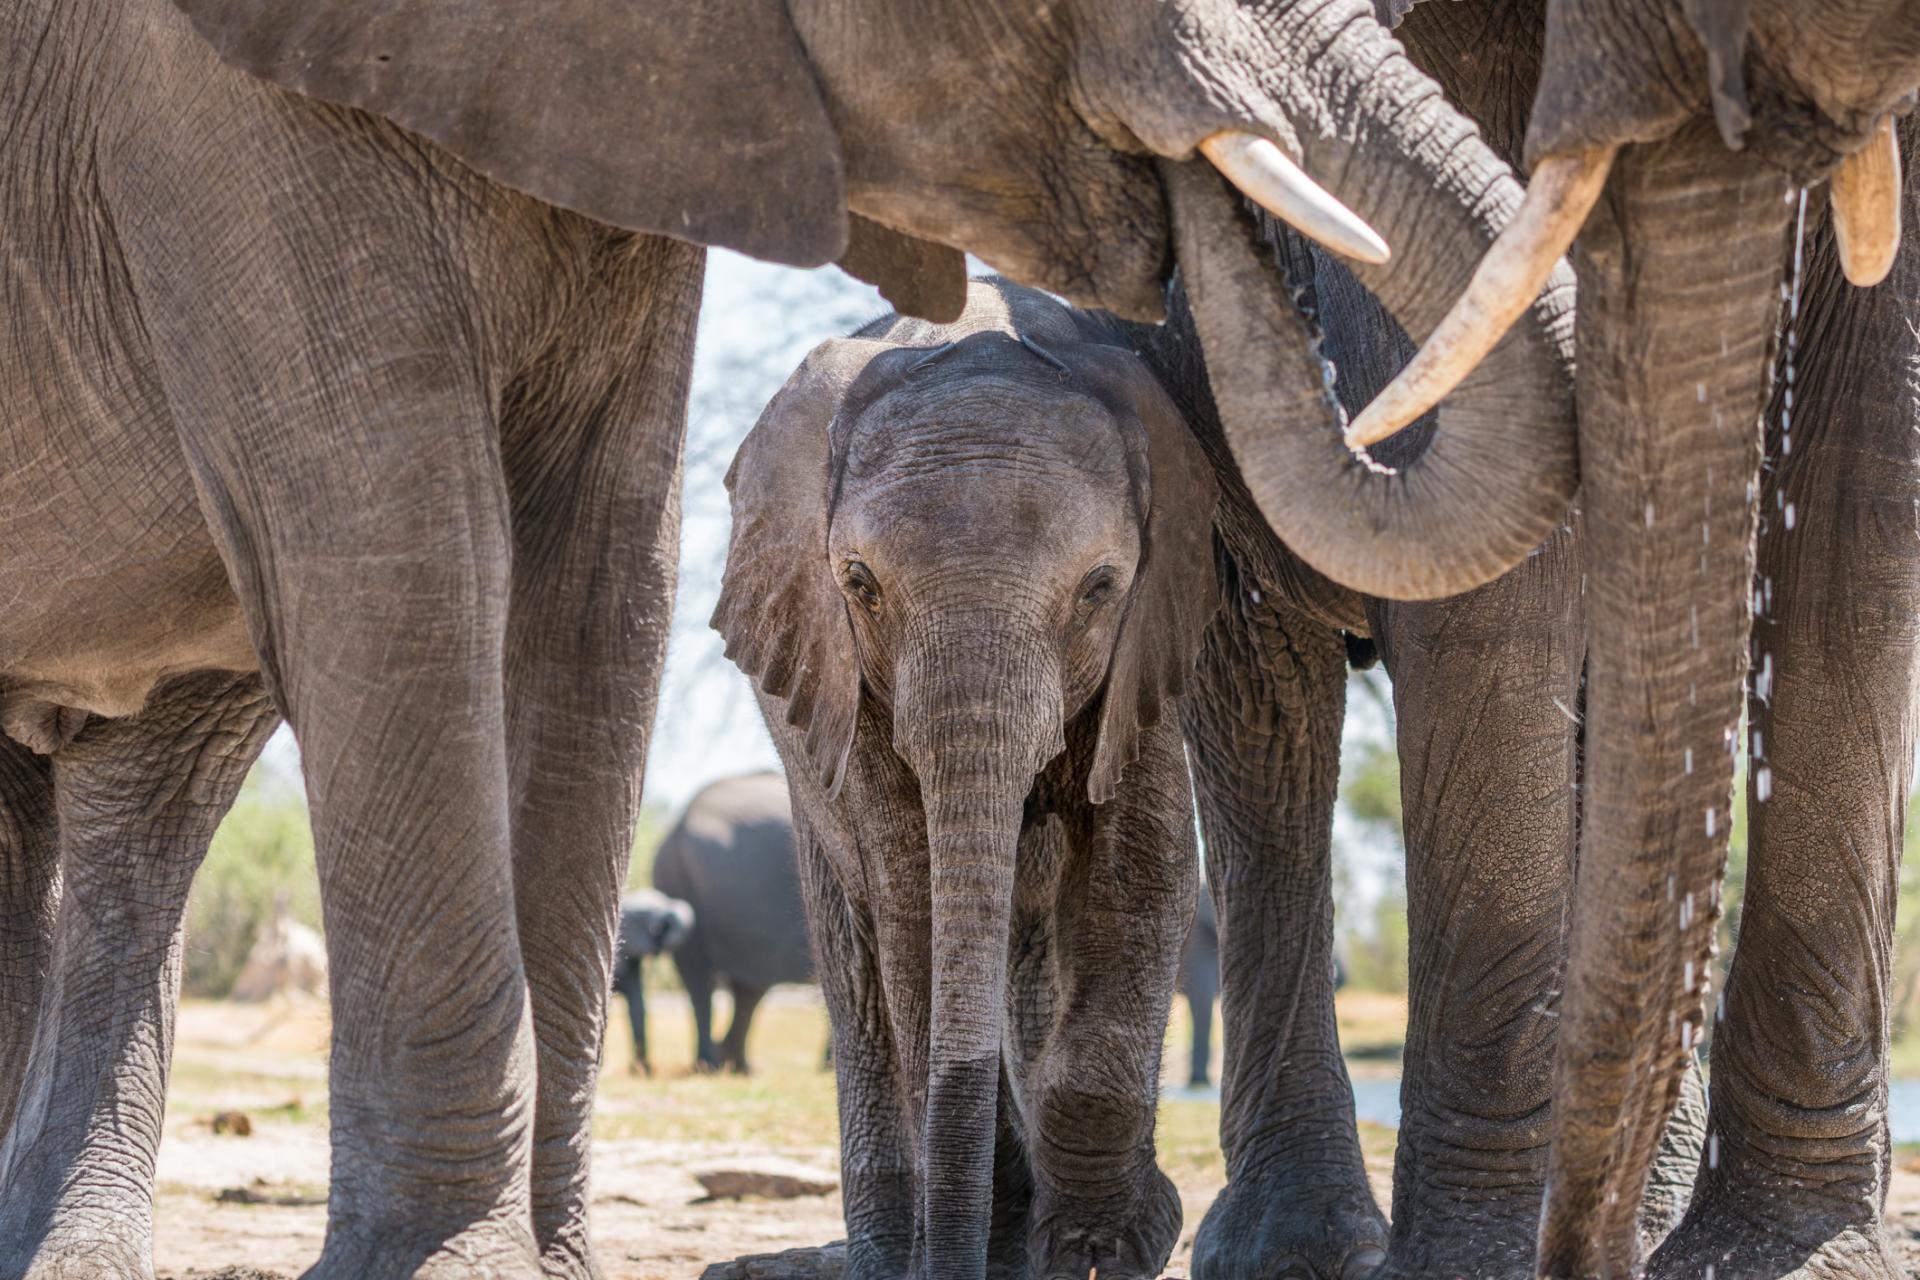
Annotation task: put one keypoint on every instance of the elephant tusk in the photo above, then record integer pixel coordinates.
(1559, 197)
(1866, 208)
(1265, 175)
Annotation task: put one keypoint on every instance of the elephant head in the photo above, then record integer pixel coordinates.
(652, 924)
(1669, 136)
(990, 539)
(1073, 145)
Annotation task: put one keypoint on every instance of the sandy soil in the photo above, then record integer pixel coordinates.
(254, 1205)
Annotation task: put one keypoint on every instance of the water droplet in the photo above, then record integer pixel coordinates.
(1709, 824)
(1790, 514)
(1649, 515)
(1254, 595)
(1693, 612)
(1686, 903)
(1759, 745)
(1713, 1157)
(1686, 761)
(1686, 976)
(1763, 784)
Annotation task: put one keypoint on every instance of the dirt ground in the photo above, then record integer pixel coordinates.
(255, 1204)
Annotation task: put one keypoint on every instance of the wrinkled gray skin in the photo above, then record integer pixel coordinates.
(1200, 984)
(731, 857)
(651, 924)
(1481, 685)
(391, 422)
(987, 542)
(1722, 106)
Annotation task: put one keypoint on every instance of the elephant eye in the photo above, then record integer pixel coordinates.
(1095, 590)
(860, 584)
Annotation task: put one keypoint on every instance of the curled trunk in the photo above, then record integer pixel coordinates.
(1679, 273)
(1501, 468)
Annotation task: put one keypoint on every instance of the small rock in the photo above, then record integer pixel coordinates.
(236, 1123)
(769, 1183)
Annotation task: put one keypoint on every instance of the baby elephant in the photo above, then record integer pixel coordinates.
(651, 924)
(969, 571)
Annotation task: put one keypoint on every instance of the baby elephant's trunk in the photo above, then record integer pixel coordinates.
(976, 742)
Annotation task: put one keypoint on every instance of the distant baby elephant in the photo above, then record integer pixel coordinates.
(969, 572)
(730, 857)
(651, 924)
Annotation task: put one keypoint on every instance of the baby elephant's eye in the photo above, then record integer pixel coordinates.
(860, 584)
(1095, 589)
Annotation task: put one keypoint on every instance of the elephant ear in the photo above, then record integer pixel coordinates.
(702, 121)
(781, 611)
(1174, 592)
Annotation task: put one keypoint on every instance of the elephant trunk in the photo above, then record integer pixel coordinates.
(975, 734)
(1502, 466)
(1679, 271)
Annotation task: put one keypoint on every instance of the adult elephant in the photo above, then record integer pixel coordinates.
(731, 857)
(403, 320)
(1666, 135)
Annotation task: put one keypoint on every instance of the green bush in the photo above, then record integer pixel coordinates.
(262, 854)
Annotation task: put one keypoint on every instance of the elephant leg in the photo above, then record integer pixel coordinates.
(1263, 721)
(696, 975)
(367, 535)
(138, 800)
(593, 476)
(733, 1050)
(1486, 689)
(1200, 1057)
(877, 1177)
(29, 899)
(629, 981)
(1795, 1178)
(1122, 907)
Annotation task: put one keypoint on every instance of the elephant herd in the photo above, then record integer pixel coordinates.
(344, 355)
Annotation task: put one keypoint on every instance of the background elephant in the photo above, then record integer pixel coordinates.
(730, 856)
(416, 336)
(1200, 984)
(651, 924)
(982, 547)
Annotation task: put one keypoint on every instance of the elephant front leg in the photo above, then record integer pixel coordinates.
(1123, 901)
(1794, 1180)
(876, 1134)
(138, 800)
(1264, 725)
(594, 478)
(1486, 689)
(29, 897)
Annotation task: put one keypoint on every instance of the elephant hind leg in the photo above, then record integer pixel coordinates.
(138, 800)
(733, 1050)
(29, 900)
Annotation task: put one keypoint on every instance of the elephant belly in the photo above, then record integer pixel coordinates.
(109, 579)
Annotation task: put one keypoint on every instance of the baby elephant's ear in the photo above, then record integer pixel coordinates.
(701, 121)
(1174, 593)
(780, 610)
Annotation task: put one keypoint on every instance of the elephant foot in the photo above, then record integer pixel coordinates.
(489, 1251)
(1069, 1242)
(1292, 1223)
(826, 1263)
(93, 1258)
(569, 1262)
(1733, 1246)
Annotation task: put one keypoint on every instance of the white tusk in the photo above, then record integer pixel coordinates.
(1266, 176)
(1866, 208)
(1505, 283)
